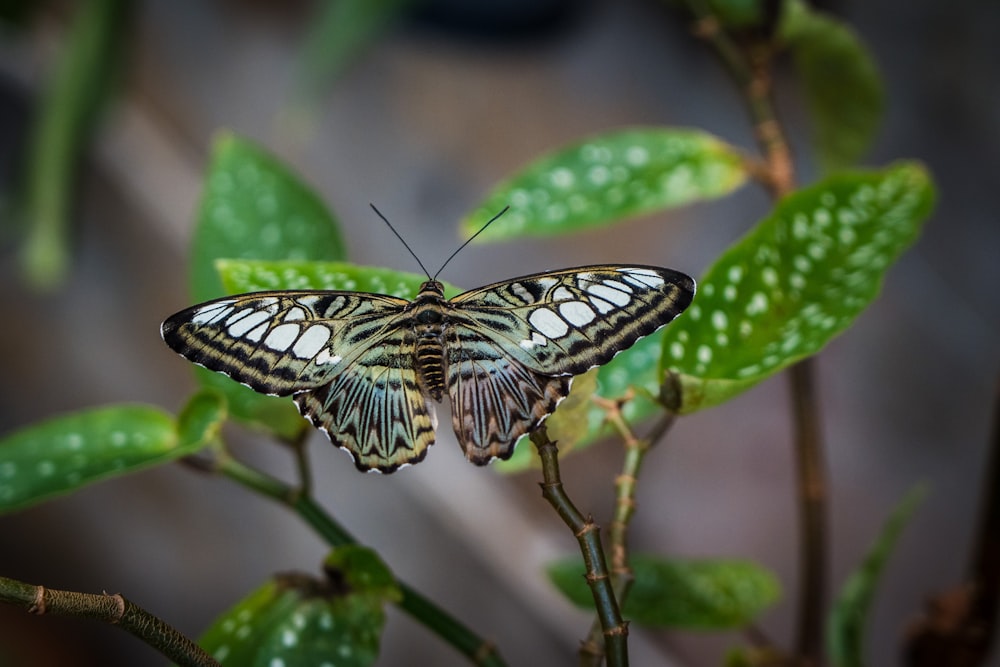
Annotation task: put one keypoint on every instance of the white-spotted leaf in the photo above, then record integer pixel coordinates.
(240, 276)
(608, 178)
(67, 452)
(254, 207)
(297, 621)
(795, 281)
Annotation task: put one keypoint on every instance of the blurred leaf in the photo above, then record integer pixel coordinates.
(607, 178)
(200, 420)
(255, 275)
(703, 594)
(341, 30)
(740, 14)
(795, 281)
(841, 83)
(297, 621)
(67, 452)
(361, 571)
(80, 85)
(254, 207)
(846, 625)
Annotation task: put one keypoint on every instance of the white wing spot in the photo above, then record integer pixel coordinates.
(258, 333)
(602, 306)
(642, 277)
(536, 339)
(324, 357)
(212, 313)
(548, 323)
(311, 341)
(245, 322)
(521, 292)
(562, 294)
(294, 314)
(605, 291)
(577, 313)
(282, 337)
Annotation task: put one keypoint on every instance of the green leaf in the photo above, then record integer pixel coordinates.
(67, 452)
(795, 281)
(607, 178)
(80, 85)
(362, 572)
(846, 625)
(255, 275)
(294, 620)
(703, 594)
(254, 207)
(840, 80)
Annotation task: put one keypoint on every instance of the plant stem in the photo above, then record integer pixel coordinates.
(478, 650)
(113, 609)
(750, 68)
(588, 535)
(812, 517)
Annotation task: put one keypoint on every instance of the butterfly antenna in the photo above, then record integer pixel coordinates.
(470, 239)
(401, 239)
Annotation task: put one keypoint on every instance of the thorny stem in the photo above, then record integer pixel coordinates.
(626, 484)
(476, 649)
(113, 609)
(750, 68)
(588, 535)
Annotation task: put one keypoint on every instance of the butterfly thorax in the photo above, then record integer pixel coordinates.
(429, 316)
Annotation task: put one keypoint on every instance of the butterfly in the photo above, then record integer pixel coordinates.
(367, 368)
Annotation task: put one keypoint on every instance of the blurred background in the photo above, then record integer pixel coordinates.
(440, 105)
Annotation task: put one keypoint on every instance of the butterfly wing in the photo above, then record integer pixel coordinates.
(515, 345)
(343, 355)
(494, 399)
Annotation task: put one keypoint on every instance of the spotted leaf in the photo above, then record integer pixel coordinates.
(67, 452)
(254, 207)
(608, 178)
(795, 281)
(296, 620)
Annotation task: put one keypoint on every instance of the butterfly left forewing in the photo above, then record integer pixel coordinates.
(279, 342)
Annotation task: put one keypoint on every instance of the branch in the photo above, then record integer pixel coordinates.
(113, 609)
(588, 534)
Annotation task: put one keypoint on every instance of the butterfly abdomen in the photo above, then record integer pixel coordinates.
(428, 321)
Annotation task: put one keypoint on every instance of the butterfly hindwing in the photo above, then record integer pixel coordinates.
(373, 407)
(495, 399)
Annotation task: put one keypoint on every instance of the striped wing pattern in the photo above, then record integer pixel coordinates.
(364, 367)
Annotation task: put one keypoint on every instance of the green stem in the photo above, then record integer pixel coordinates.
(474, 647)
(113, 609)
(588, 535)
